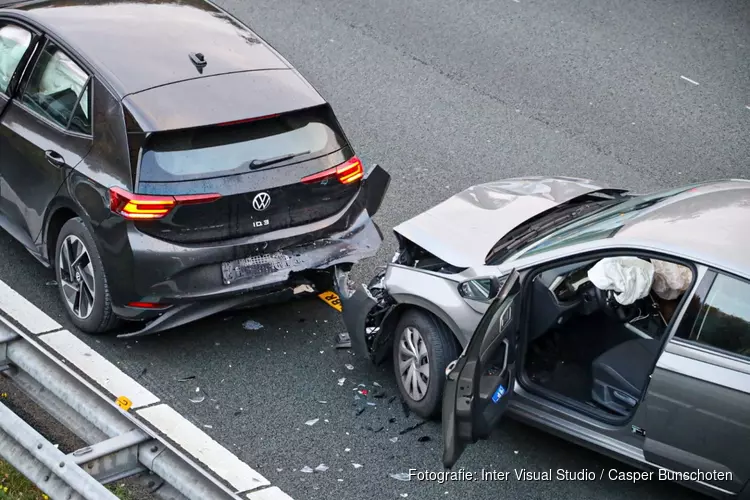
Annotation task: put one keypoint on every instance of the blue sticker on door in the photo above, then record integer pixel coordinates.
(499, 392)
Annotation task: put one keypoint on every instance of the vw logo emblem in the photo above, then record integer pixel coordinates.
(261, 201)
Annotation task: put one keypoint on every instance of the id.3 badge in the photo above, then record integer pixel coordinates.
(499, 392)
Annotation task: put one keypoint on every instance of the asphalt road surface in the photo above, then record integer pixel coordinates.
(445, 94)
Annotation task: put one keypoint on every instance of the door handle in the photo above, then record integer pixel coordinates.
(54, 158)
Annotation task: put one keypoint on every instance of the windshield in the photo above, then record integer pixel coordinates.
(603, 224)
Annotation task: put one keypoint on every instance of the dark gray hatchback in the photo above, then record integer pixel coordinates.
(169, 164)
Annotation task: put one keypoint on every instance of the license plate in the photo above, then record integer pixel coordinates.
(256, 266)
(331, 299)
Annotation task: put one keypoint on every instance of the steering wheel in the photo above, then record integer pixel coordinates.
(612, 308)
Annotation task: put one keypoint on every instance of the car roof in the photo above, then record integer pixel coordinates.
(141, 44)
(710, 222)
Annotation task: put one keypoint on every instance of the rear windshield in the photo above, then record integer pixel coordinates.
(230, 149)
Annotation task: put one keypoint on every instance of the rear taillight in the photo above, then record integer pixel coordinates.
(347, 173)
(143, 206)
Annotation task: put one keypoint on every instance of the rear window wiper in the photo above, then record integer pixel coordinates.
(258, 163)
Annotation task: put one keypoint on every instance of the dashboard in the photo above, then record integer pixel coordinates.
(566, 291)
(560, 293)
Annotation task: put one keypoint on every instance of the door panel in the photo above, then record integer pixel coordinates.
(44, 133)
(698, 402)
(698, 418)
(480, 384)
(29, 180)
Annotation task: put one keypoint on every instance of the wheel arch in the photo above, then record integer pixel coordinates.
(407, 303)
(60, 213)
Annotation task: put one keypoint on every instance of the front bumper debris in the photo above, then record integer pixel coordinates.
(357, 303)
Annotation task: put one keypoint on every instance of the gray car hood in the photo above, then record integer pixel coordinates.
(464, 228)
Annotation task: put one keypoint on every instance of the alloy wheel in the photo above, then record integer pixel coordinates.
(413, 363)
(77, 277)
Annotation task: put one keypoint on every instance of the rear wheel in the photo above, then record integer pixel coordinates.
(422, 349)
(81, 279)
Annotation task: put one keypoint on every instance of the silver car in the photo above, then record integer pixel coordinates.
(618, 321)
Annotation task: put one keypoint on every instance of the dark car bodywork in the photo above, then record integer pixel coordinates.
(158, 68)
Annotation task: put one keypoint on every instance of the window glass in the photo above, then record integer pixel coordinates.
(724, 321)
(224, 150)
(55, 87)
(14, 42)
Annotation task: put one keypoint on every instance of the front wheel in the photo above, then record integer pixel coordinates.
(81, 279)
(422, 349)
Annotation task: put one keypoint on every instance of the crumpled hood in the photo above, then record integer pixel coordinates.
(464, 228)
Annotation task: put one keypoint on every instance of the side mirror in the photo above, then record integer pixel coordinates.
(480, 289)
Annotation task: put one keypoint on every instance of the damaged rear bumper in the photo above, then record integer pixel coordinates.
(368, 312)
(256, 279)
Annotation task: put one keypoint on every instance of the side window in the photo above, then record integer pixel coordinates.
(14, 41)
(723, 321)
(59, 90)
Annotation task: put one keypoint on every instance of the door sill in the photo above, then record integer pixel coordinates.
(572, 404)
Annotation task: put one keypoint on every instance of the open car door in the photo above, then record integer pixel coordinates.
(480, 385)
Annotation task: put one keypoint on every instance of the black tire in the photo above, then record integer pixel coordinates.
(101, 319)
(441, 349)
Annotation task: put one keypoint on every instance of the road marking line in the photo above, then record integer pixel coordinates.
(689, 80)
(24, 312)
(96, 367)
(209, 452)
(273, 493)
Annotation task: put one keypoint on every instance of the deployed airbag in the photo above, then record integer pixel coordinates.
(670, 280)
(629, 277)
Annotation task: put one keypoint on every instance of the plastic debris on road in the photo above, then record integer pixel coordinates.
(312, 422)
(321, 468)
(342, 380)
(393, 439)
(343, 341)
(401, 476)
(185, 379)
(412, 427)
(357, 466)
(349, 367)
(198, 398)
(306, 470)
(251, 325)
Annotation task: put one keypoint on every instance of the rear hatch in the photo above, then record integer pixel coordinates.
(257, 176)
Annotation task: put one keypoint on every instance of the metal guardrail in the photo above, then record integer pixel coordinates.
(119, 446)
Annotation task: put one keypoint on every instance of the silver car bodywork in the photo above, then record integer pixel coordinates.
(696, 397)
